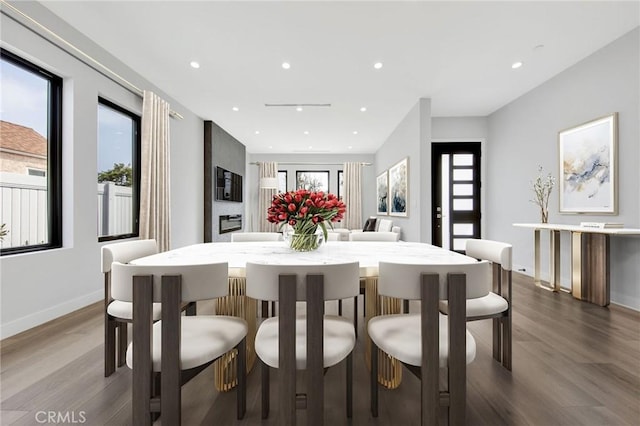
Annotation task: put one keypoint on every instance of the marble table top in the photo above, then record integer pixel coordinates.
(368, 254)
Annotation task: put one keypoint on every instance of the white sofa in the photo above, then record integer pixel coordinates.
(382, 225)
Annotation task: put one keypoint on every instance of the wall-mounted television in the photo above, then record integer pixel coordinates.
(228, 185)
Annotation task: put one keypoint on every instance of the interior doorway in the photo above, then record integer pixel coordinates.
(455, 177)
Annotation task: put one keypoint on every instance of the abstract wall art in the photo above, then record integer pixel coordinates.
(399, 189)
(588, 167)
(382, 193)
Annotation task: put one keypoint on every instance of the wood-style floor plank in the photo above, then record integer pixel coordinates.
(573, 364)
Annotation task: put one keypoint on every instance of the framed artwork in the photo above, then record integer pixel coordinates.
(313, 180)
(399, 189)
(382, 191)
(588, 167)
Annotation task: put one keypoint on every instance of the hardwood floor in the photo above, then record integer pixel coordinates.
(573, 364)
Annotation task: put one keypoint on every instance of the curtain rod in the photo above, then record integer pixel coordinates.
(76, 53)
(302, 163)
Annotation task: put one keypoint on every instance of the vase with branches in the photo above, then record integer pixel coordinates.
(542, 187)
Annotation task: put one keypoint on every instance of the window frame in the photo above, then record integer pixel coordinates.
(298, 172)
(286, 180)
(135, 164)
(54, 155)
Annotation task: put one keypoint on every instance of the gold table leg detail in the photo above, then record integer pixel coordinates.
(239, 305)
(554, 261)
(389, 368)
(536, 257)
(576, 265)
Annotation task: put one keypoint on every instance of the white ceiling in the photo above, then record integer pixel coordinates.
(459, 54)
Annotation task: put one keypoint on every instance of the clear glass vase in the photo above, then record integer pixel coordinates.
(544, 215)
(305, 242)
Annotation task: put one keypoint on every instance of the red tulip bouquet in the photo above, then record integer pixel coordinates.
(305, 211)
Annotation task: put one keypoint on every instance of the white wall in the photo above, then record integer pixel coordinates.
(412, 139)
(318, 162)
(37, 287)
(523, 135)
(466, 129)
(459, 128)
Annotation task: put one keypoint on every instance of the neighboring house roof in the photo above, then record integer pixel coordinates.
(21, 139)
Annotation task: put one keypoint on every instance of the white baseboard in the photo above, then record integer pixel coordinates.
(626, 301)
(37, 318)
(523, 269)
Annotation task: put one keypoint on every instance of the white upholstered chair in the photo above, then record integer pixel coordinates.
(118, 313)
(337, 234)
(374, 236)
(428, 340)
(494, 299)
(248, 237)
(334, 236)
(312, 341)
(177, 346)
(389, 237)
(238, 237)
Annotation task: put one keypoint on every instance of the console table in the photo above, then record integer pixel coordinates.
(589, 259)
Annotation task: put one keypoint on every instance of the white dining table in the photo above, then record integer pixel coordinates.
(367, 253)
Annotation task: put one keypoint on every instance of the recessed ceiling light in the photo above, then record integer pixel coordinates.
(349, 147)
(363, 109)
(310, 147)
(257, 132)
(270, 146)
(355, 132)
(306, 132)
(377, 65)
(299, 108)
(516, 65)
(286, 65)
(236, 109)
(194, 64)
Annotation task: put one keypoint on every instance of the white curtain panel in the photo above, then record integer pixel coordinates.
(155, 200)
(353, 195)
(265, 195)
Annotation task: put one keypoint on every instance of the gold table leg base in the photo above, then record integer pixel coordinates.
(550, 288)
(389, 368)
(554, 261)
(239, 305)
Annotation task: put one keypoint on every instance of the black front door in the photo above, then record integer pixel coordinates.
(456, 193)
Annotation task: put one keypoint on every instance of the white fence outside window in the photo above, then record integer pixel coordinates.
(23, 209)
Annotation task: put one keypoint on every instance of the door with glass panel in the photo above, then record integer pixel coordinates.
(455, 215)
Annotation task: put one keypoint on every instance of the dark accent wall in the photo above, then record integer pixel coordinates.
(220, 149)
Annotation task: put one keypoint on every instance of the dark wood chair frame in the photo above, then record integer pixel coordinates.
(171, 378)
(502, 340)
(430, 396)
(115, 331)
(288, 399)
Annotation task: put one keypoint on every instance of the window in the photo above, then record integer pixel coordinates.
(30, 156)
(282, 181)
(313, 180)
(340, 184)
(118, 172)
